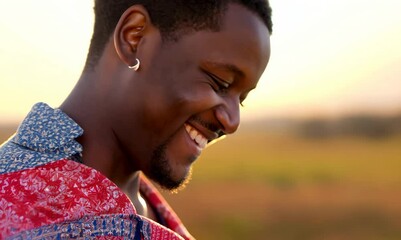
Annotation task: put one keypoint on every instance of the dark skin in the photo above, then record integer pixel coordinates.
(132, 120)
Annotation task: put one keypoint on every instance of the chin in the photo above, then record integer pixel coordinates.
(171, 182)
(181, 183)
(166, 173)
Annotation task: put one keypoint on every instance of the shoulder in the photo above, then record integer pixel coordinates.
(56, 192)
(14, 157)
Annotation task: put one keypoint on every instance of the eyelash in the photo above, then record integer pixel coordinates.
(222, 85)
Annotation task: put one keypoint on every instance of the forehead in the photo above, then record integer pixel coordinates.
(242, 41)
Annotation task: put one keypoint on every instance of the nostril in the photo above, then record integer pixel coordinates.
(220, 133)
(228, 117)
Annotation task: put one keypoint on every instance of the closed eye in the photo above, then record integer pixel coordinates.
(222, 85)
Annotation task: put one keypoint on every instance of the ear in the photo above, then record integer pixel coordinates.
(130, 30)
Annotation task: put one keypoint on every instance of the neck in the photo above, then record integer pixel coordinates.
(91, 105)
(88, 105)
(100, 148)
(131, 189)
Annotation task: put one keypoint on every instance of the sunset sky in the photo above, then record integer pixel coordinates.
(328, 57)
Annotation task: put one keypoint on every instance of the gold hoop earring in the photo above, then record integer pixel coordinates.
(136, 66)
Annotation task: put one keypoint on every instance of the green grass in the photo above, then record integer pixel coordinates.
(260, 185)
(292, 160)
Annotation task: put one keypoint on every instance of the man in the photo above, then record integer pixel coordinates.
(162, 80)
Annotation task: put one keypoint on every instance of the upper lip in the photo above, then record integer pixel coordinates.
(207, 133)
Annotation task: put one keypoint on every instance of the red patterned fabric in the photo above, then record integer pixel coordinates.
(160, 205)
(45, 196)
(160, 233)
(66, 191)
(56, 192)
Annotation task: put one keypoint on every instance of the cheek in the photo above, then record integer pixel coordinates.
(197, 98)
(170, 104)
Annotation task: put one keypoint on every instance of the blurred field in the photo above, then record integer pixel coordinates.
(264, 184)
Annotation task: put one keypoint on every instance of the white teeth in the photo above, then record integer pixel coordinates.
(196, 136)
(193, 134)
(198, 139)
(203, 143)
(188, 128)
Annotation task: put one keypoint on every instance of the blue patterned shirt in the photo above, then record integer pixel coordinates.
(44, 136)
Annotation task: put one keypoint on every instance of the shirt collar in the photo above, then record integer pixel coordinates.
(49, 130)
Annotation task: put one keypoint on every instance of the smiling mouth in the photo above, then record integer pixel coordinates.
(196, 136)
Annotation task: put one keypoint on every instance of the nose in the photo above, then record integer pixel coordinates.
(228, 115)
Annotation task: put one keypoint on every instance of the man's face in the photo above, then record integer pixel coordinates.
(188, 92)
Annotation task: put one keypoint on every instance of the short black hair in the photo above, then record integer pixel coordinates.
(172, 17)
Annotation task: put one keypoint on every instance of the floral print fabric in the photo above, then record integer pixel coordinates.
(45, 192)
(56, 192)
(44, 136)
